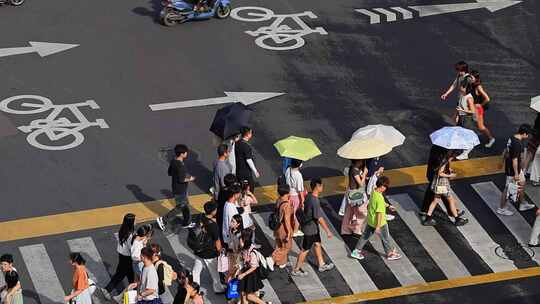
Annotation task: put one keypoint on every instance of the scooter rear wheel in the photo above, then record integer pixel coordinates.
(223, 12)
(16, 2)
(168, 19)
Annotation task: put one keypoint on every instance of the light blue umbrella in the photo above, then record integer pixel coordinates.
(455, 138)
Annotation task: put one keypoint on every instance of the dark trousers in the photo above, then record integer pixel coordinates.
(429, 196)
(124, 269)
(182, 205)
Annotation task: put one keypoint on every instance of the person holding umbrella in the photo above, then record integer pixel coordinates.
(356, 207)
(245, 166)
(296, 150)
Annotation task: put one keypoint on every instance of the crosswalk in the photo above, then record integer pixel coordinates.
(46, 276)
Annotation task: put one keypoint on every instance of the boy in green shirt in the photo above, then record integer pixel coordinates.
(376, 222)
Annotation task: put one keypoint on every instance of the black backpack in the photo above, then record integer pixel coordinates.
(197, 238)
(274, 220)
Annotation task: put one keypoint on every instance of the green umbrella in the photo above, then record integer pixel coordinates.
(298, 148)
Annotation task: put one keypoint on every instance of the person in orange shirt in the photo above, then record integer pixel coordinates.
(80, 293)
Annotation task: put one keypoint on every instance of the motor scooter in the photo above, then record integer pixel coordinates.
(179, 11)
(11, 2)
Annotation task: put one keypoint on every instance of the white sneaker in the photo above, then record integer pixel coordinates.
(504, 211)
(160, 223)
(298, 233)
(463, 156)
(390, 217)
(524, 206)
(490, 143)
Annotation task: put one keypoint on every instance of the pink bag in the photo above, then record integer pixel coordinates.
(223, 262)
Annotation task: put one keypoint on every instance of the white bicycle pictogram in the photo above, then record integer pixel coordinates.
(54, 127)
(277, 36)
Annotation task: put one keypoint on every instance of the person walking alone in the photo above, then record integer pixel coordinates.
(245, 166)
(312, 218)
(11, 293)
(284, 233)
(377, 223)
(179, 184)
(124, 268)
(515, 177)
(81, 292)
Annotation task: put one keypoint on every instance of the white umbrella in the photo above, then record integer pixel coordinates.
(535, 103)
(388, 134)
(456, 138)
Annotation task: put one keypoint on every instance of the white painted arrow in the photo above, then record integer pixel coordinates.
(42, 48)
(246, 98)
(492, 6)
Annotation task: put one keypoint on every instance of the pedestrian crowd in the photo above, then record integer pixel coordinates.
(223, 238)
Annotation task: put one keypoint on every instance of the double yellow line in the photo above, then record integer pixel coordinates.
(110, 216)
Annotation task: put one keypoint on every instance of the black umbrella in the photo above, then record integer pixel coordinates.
(230, 119)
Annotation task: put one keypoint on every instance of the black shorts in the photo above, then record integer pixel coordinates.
(309, 240)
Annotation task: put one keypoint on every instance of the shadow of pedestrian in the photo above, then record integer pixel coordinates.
(153, 12)
(203, 176)
(151, 203)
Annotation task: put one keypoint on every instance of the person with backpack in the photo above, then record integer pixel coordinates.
(80, 294)
(148, 286)
(312, 217)
(165, 272)
(282, 222)
(210, 248)
(250, 280)
(125, 263)
(356, 208)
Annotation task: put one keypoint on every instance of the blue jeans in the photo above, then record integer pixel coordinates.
(385, 238)
(182, 205)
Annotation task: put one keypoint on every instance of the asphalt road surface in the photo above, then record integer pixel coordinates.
(358, 74)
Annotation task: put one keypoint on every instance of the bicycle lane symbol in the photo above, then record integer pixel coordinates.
(54, 126)
(277, 36)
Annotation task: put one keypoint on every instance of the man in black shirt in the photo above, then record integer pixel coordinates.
(513, 170)
(209, 256)
(245, 167)
(179, 180)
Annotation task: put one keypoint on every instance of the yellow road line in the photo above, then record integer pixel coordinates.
(432, 286)
(110, 216)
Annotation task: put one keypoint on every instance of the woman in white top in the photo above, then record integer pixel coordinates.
(295, 180)
(125, 263)
(142, 236)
